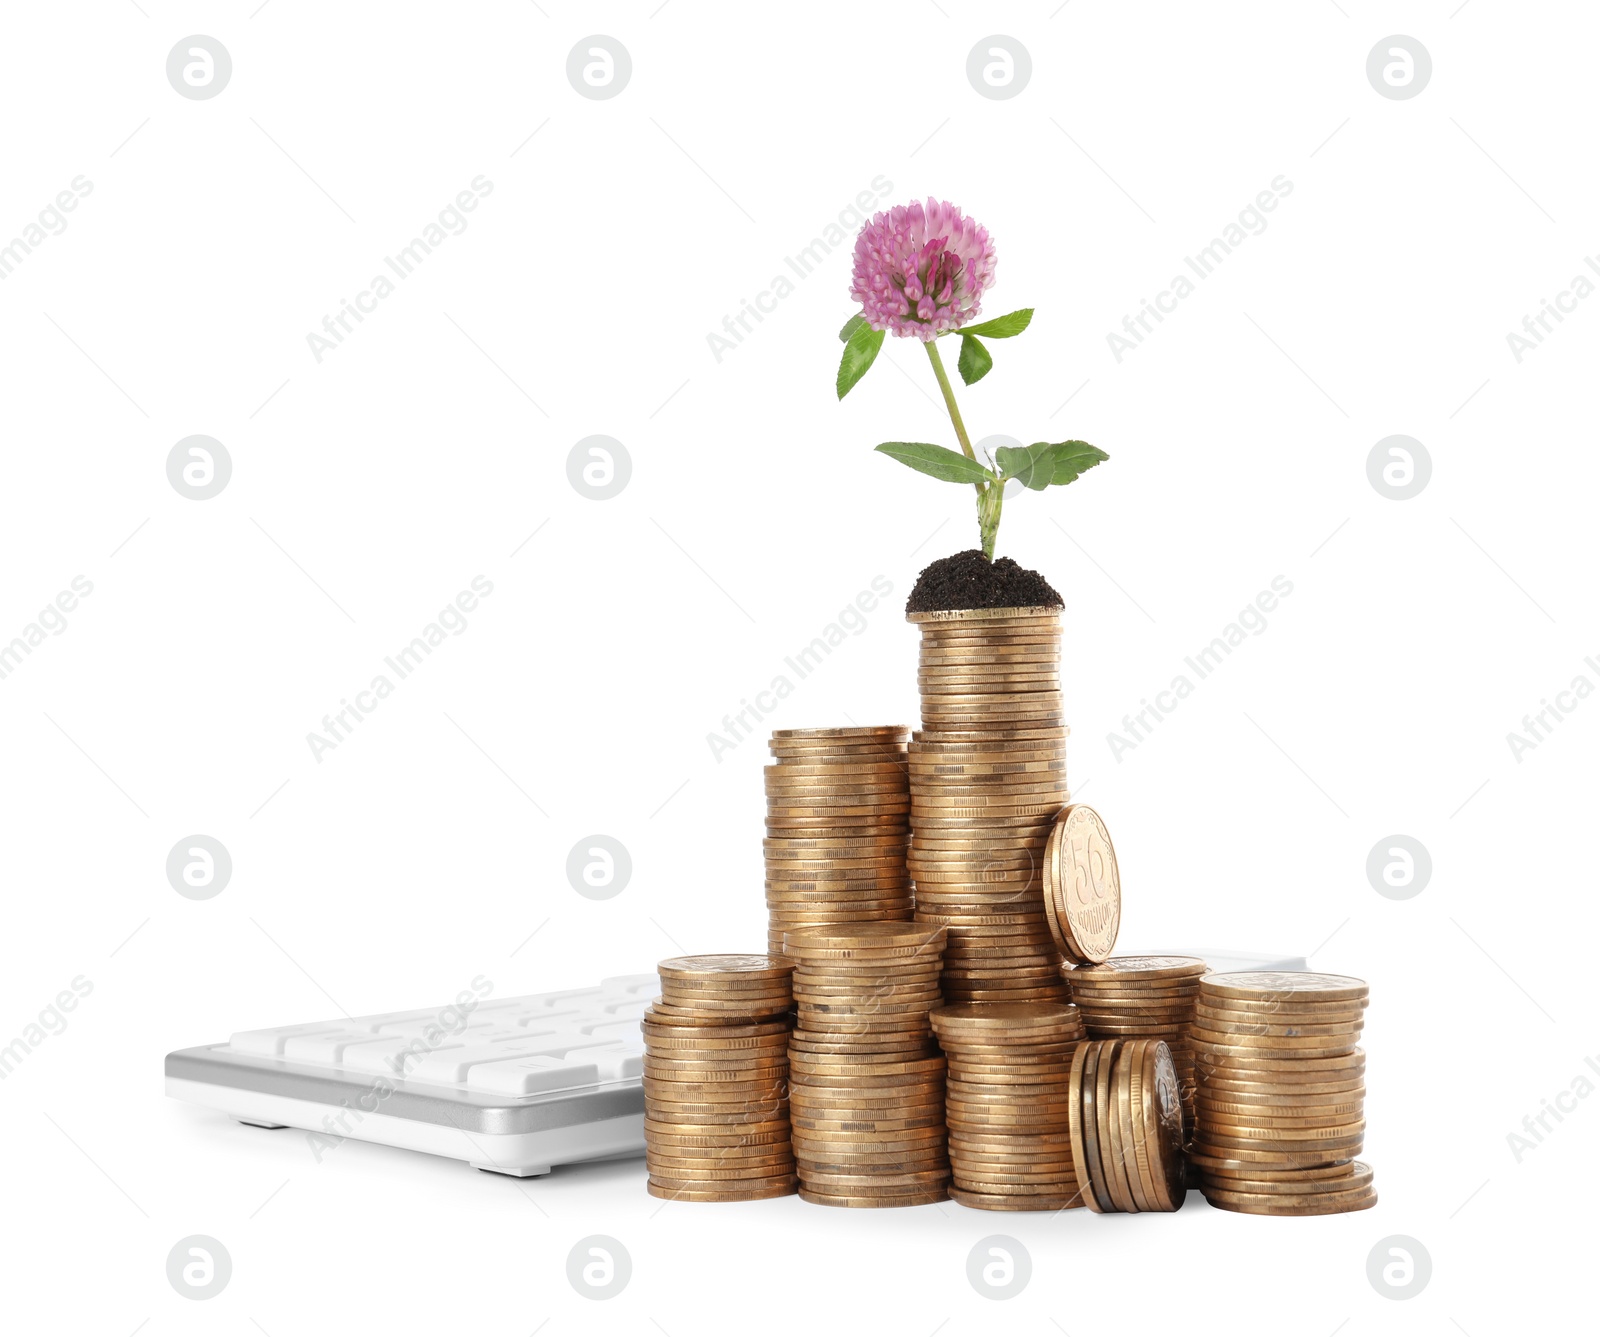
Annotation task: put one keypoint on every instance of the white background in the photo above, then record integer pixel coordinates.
(369, 488)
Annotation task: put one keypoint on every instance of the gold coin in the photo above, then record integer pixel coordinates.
(724, 1177)
(853, 1068)
(855, 731)
(1150, 1159)
(1003, 1020)
(885, 751)
(745, 1160)
(993, 1202)
(1095, 1177)
(873, 1127)
(1325, 1204)
(733, 1007)
(1131, 1134)
(716, 1035)
(1338, 1116)
(1083, 885)
(936, 1194)
(871, 1154)
(1228, 1167)
(1114, 1154)
(1264, 1035)
(1225, 1131)
(726, 1113)
(880, 1179)
(1057, 1142)
(1229, 1172)
(774, 1130)
(1276, 1157)
(1215, 1082)
(868, 936)
(669, 1082)
(1281, 1106)
(778, 1189)
(667, 1014)
(1128, 997)
(1164, 1114)
(717, 967)
(1355, 1176)
(1123, 970)
(1275, 984)
(1253, 1066)
(1206, 1049)
(1075, 1125)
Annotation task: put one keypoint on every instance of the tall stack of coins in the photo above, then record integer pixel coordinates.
(716, 1116)
(988, 776)
(1281, 1081)
(837, 806)
(1006, 1103)
(1126, 1125)
(1131, 997)
(866, 1081)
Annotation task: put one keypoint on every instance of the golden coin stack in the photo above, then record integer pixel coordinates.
(988, 776)
(1281, 1081)
(716, 1115)
(1005, 1103)
(837, 805)
(1125, 1121)
(1133, 997)
(866, 1081)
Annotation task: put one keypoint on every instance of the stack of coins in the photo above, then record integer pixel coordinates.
(716, 1116)
(866, 1081)
(988, 776)
(837, 805)
(1006, 1103)
(1126, 1125)
(1130, 997)
(1280, 1118)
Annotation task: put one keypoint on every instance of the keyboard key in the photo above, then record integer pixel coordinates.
(270, 1043)
(614, 1062)
(532, 1076)
(324, 1046)
(626, 1031)
(453, 1065)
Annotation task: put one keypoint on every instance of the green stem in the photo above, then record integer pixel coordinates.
(950, 402)
(991, 496)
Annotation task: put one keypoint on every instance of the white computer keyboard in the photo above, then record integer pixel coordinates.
(512, 1085)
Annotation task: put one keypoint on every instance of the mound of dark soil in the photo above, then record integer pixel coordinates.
(970, 580)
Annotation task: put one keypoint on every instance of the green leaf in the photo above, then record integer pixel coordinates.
(1073, 458)
(937, 461)
(1043, 463)
(1003, 327)
(974, 362)
(851, 326)
(859, 351)
(1033, 465)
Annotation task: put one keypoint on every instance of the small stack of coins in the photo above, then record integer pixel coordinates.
(1126, 1126)
(837, 805)
(1280, 1093)
(988, 776)
(716, 1116)
(1129, 997)
(866, 1081)
(1005, 1103)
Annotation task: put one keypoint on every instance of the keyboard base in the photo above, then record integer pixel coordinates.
(325, 1126)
